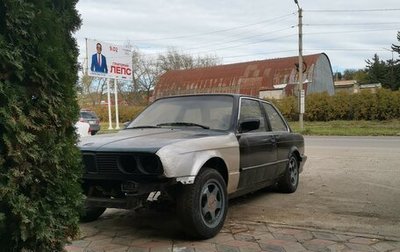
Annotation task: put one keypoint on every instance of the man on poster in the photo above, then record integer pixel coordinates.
(99, 63)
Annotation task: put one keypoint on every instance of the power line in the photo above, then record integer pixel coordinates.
(346, 49)
(308, 49)
(356, 10)
(294, 50)
(353, 31)
(253, 54)
(231, 41)
(285, 36)
(271, 20)
(252, 43)
(240, 39)
(350, 24)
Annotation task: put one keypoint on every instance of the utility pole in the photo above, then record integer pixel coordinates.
(301, 91)
(391, 67)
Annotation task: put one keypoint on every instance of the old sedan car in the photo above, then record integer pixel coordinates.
(195, 151)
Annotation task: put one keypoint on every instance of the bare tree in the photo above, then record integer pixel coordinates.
(145, 73)
(173, 60)
(91, 89)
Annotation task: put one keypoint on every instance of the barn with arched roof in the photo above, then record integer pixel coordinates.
(264, 78)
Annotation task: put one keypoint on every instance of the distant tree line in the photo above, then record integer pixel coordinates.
(377, 70)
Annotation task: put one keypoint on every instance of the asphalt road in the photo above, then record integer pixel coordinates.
(349, 184)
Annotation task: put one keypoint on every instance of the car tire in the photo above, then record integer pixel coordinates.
(93, 133)
(91, 213)
(202, 206)
(290, 180)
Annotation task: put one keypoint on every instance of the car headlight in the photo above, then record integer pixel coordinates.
(150, 164)
(140, 164)
(127, 164)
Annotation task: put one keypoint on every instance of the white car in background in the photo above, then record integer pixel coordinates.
(82, 129)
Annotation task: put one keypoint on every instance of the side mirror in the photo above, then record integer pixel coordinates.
(249, 125)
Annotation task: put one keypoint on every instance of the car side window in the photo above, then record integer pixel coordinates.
(277, 123)
(250, 109)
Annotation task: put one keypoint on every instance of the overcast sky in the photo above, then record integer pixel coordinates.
(349, 32)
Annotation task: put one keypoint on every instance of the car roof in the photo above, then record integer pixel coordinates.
(88, 112)
(236, 96)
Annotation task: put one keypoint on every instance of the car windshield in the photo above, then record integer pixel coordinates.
(207, 112)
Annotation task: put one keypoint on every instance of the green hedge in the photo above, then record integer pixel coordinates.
(40, 165)
(365, 105)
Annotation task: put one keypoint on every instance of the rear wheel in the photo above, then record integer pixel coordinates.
(203, 205)
(289, 182)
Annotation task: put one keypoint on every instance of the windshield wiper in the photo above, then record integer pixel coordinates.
(183, 124)
(144, 127)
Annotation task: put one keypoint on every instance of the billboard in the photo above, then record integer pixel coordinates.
(108, 60)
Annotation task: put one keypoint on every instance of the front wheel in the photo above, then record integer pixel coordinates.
(91, 213)
(289, 182)
(203, 205)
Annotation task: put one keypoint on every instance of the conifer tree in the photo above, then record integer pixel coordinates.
(40, 168)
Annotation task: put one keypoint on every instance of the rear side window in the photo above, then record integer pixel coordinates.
(277, 123)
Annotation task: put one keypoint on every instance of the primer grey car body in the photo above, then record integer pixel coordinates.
(182, 152)
(163, 151)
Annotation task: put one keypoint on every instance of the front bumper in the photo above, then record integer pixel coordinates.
(111, 202)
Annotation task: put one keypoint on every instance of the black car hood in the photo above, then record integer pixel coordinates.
(141, 140)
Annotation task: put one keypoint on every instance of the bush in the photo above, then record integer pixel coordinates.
(384, 104)
(126, 113)
(318, 107)
(387, 104)
(365, 105)
(287, 106)
(40, 168)
(340, 107)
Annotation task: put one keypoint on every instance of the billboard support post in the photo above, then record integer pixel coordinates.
(116, 104)
(86, 63)
(109, 105)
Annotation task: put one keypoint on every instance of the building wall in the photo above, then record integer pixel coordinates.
(272, 94)
(322, 79)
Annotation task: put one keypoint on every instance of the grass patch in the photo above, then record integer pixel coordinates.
(104, 128)
(349, 128)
